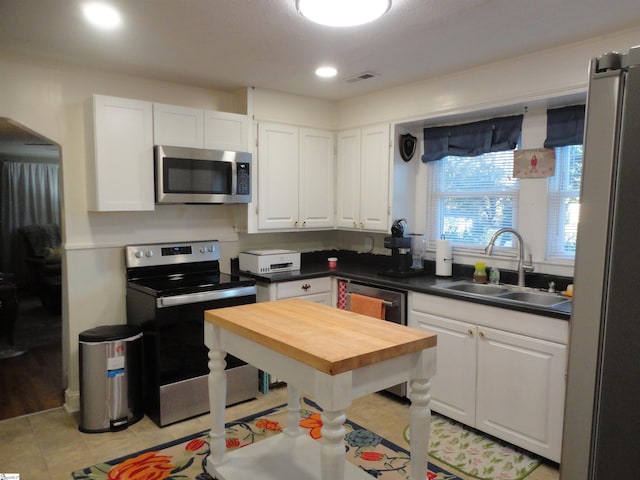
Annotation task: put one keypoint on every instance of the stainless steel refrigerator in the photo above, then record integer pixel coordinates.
(602, 418)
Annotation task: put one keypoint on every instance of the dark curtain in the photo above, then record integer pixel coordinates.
(472, 139)
(565, 126)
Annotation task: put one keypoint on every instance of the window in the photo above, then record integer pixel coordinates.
(564, 203)
(471, 198)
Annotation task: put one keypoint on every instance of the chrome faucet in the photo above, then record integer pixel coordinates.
(522, 266)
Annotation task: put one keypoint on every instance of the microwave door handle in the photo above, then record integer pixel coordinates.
(234, 178)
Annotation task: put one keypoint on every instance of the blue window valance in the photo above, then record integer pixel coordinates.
(565, 126)
(472, 139)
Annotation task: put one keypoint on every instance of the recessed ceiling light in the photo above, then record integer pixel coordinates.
(342, 13)
(326, 72)
(102, 15)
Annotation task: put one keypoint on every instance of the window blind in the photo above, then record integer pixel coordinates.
(564, 203)
(472, 197)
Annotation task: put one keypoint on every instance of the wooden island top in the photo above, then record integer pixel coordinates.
(330, 340)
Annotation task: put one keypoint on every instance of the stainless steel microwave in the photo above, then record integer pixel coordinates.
(196, 175)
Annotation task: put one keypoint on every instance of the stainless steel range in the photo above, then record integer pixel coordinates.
(169, 286)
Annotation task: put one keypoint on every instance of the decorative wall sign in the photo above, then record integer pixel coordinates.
(407, 146)
(534, 163)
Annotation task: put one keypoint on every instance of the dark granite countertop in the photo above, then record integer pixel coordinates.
(367, 268)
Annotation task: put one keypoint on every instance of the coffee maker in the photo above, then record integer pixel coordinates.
(400, 244)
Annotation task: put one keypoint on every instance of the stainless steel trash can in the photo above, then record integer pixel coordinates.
(110, 378)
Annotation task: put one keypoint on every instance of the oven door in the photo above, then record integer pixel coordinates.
(176, 362)
(394, 300)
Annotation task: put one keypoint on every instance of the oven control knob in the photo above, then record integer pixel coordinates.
(210, 249)
(203, 250)
(149, 253)
(139, 254)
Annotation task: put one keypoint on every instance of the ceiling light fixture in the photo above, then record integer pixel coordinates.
(342, 13)
(326, 72)
(102, 15)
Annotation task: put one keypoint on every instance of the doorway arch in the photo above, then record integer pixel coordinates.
(31, 261)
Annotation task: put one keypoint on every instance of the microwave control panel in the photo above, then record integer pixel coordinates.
(243, 179)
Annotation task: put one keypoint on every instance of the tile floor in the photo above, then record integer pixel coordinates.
(48, 445)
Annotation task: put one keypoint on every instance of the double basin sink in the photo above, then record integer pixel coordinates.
(508, 293)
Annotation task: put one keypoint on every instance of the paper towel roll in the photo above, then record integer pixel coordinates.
(444, 259)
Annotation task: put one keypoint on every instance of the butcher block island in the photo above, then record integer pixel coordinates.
(333, 355)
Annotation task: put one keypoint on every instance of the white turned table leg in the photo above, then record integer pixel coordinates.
(333, 455)
(217, 404)
(293, 411)
(419, 426)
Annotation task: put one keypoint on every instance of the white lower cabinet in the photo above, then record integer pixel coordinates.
(500, 371)
(313, 289)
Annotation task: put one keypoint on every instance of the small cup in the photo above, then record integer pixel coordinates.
(333, 262)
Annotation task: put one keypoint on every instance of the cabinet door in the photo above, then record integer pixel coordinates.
(316, 197)
(348, 180)
(375, 174)
(453, 388)
(120, 165)
(277, 177)
(521, 386)
(226, 131)
(178, 126)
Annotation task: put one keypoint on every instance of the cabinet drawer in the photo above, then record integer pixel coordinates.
(301, 288)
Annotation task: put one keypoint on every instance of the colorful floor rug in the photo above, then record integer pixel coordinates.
(184, 458)
(474, 454)
(452, 444)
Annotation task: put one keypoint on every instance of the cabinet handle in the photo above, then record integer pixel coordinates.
(295, 224)
(355, 224)
(470, 332)
(361, 224)
(481, 334)
(306, 287)
(304, 224)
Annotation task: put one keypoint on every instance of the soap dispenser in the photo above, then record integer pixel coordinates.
(494, 275)
(480, 273)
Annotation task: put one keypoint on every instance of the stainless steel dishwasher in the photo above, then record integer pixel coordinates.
(395, 302)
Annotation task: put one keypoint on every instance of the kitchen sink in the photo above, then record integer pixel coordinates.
(477, 288)
(506, 294)
(535, 298)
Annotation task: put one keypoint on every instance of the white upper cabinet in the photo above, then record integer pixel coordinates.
(178, 126)
(363, 179)
(348, 179)
(277, 176)
(119, 154)
(192, 127)
(316, 187)
(295, 178)
(226, 131)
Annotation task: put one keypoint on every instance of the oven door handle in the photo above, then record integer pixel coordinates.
(175, 300)
(386, 303)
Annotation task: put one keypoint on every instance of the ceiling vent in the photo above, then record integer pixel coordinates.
(361, 76)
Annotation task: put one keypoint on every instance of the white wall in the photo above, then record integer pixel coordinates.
(536, 77)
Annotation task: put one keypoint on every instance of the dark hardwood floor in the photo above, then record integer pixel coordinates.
(32, 382)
